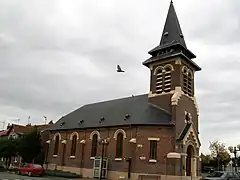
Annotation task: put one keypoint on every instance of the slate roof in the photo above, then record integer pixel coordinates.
(184, 131)
(119, 112)
(172, 28)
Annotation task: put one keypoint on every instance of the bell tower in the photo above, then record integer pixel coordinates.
(171, 65)
(172, 72)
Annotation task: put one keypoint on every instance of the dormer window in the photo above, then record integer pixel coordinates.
(166, 34)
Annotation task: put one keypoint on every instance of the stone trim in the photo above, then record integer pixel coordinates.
(93, 133)
(55, 135)
(150, 94)
(153, 139)
(120, 131)
(74, 133)
(177, 95)
(118, 159)
(194, 135)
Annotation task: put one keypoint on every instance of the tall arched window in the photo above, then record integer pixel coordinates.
(94, 145)
(56, 145)
(74, 145)
(167, 79)
(119, 146)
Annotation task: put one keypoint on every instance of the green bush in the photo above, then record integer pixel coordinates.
(59, 173)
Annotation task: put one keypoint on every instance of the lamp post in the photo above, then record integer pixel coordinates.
(234, 150)
(103, 142)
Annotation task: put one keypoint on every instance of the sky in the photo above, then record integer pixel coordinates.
(57, 55)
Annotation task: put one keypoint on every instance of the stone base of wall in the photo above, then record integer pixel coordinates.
(116, 175)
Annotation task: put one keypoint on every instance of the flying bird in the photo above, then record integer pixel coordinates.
(119, 69)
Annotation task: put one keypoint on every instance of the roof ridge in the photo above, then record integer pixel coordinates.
(114, 100)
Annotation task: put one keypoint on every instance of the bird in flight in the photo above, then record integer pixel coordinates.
(119, 69)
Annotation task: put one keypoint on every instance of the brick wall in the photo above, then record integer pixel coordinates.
(141, 148)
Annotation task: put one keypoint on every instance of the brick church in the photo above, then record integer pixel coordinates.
(152, 134)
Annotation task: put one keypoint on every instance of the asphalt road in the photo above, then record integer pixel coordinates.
(9, 176)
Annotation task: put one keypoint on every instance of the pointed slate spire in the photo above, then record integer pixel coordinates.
(172, 30)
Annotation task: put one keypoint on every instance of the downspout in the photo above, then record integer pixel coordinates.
(82, 154)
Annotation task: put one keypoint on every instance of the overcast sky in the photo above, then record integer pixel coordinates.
(57, 55)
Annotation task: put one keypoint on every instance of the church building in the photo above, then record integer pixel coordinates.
(155, 134)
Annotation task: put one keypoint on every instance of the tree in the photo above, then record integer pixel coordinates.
(205, 159)
(219, 153)
(30, 145)
(216, 147)
(8, 148)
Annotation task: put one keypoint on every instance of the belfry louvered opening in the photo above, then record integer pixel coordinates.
(187, 81)
(167, 79)
(159, 81)
(163, 78)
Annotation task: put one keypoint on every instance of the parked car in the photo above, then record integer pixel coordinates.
(31, 170)
(222, 175)
(208, 169)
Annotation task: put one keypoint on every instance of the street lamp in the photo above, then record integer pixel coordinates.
(103, 142)
(234, 150)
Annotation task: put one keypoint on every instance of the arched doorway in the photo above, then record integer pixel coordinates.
(189, 160)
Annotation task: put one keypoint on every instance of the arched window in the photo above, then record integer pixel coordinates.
(56, 145)
(167, 79)
(94, 145)
(74, 145)
(119, 145)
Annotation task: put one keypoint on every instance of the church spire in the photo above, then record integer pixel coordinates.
(172, 31)
(172, 43)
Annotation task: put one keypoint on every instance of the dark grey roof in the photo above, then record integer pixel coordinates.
(172, 30)
(126, 111)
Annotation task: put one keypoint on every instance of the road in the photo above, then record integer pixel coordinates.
(9, 176)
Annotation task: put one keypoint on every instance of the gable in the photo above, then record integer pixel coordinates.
(189, 134)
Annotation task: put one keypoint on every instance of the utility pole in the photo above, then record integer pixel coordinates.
(3, 123)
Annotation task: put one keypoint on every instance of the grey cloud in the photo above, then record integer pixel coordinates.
(57, 56)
